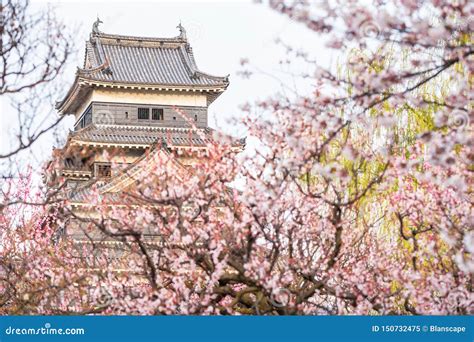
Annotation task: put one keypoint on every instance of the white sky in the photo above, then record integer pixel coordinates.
(221, 33)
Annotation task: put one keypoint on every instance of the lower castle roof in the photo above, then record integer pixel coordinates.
(110, 189)
(144, 136)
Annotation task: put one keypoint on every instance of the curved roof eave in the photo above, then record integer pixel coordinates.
(104, 67)
(63, 105)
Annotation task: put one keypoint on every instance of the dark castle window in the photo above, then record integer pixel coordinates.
(157, 114)
(88, 117)
(143, 113)
(103, 170)
(85, 120)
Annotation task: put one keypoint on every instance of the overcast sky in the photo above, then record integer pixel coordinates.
(220, 32)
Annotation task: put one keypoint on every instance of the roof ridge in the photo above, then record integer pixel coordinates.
(176, 39)
(142, 164)
(190, 62)
(101, 63)
(152, 128)
(191, 68)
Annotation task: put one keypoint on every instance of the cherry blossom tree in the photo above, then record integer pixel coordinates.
(357, 200)
(34, 49)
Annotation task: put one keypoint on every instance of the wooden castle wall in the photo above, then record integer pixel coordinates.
(127, 114)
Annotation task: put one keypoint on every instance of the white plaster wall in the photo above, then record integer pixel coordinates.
(144, 97)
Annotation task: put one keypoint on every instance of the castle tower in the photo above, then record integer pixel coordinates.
(132, 95)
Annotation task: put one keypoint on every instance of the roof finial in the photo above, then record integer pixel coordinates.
(182, 31)
(95, 26)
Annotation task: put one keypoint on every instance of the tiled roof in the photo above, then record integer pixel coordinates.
(138, 60)
(109, 190)
(139, 63)
(86, 193)
(145, 135)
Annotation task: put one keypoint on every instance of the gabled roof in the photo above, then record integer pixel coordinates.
(141, 62)
(138, 60)
(144, 136)
(111, 189)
